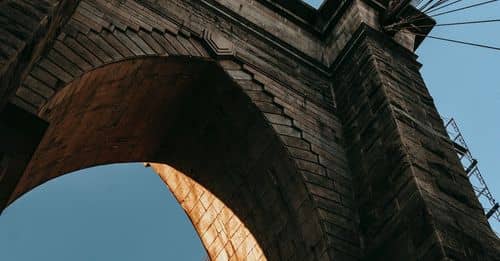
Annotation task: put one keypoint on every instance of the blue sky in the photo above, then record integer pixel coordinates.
(124, 212)
(465, 84)
(314, 3)
(115, 212)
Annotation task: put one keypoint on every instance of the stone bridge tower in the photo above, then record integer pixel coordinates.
(285, 132)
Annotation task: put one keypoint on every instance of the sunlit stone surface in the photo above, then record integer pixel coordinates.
(221, 231)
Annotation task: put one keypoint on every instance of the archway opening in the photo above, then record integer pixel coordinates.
(186, 113)
(111, 212)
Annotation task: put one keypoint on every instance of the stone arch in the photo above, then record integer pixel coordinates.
(187, 113)
(100, 33)
(287, 80)
(105, 32)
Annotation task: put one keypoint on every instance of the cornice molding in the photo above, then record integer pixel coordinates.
(363, 32)
(252, 28)
(319, 23)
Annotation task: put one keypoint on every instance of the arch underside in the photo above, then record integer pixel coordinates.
(100, 34)
(223, 233)
(279, 138)
(189, 114)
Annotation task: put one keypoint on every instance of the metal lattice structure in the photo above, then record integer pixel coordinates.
(470, 165)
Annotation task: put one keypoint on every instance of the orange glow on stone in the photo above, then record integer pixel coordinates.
(223, 234)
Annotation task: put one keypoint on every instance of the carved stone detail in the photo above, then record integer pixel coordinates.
(218, 44)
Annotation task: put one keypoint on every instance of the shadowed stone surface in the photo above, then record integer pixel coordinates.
(312, 127)
(417, 202)
(182, 112)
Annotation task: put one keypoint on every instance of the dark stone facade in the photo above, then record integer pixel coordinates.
(415, 201)
(295, 134)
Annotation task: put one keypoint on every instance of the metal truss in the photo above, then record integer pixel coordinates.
(471, 168)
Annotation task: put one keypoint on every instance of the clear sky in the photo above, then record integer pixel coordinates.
(314, 3)
(465, 83)
(115, 212)
(124, 212)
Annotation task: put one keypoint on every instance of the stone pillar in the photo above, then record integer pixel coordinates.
(415, 202)
(20, 134)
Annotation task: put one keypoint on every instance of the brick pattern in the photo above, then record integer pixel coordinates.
(20, 18)
(411, 200)
(207, 131)
(272, 21)
(414, 199)
(25, 30)
(460, 223)
(357, 13)
(223, 234)
(100, 33)
(103, 32)
(312, 137)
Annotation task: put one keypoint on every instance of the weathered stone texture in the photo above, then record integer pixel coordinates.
(414, 199)
(192, 127)
(27, 28)
(356, 13)
(223, 234)
(312, 137)
(312, 128)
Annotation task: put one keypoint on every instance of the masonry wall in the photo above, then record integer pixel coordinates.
(300, 112)
(223, 234)
(28, 28)
(186, 113)
(414, 199)
(369, 171)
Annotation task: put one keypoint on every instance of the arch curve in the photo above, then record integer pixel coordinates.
(101, 33)
(188, 113)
